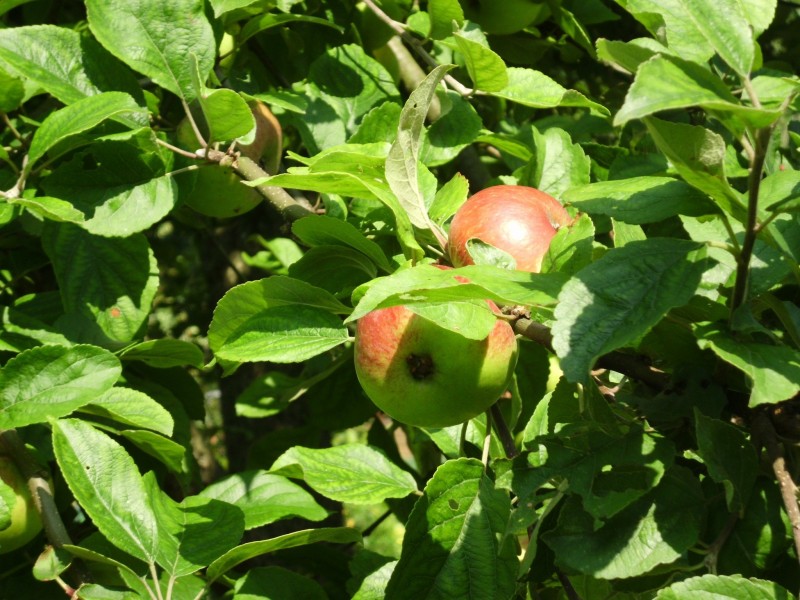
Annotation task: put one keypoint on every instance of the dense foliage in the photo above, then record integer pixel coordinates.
(200, 199)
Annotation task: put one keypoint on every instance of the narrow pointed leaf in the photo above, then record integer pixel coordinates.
(401, 164)
(335, 535)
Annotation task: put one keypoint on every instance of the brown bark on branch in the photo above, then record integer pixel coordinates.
(765, 434)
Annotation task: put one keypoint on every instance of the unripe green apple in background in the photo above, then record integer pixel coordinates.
(425, 375)
(503, 17)
(517, 219)
(219, 192)
(25, 520)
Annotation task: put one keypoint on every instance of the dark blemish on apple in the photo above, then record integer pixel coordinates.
(420, 366)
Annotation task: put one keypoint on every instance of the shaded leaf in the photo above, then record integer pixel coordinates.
(619, 297)
(265, 498)
(453, 546)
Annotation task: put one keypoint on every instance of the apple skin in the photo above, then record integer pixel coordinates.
(219, 192)
(518, 219)
(25, 520)
(425, 375)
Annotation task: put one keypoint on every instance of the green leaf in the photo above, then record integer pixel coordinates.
(106, 482)
(335, 535)
(51, 381)
(52, 209)
(774, 371)
(537, 90)
(403, 158)
(157, 39)
(608, 472)
(321, 230)
(128, 189)
(759, 13)
(165, 353)
(655, 530)
(571, 248)
(352, 473)
(265, 498)
(628, 55)
(486, 254)
(284, 334)
(780, 191)
(426, 283)
(132, 408)
(269, 20)
(12, 91)
(45, 55)
(277, 583)
(107, 284)
(227, 114)
(618, 298)
(485, 67)
(668, 82)
(352, 174)
(78, 117)
(762, 534)
(698, 30)
(457, 127)
(163, 449)
(453, 546)
(474, 320)
(449, 199)
(730, 457)
(443, 13)
(699, 157)
(195, 532)
(720, 587)
(338, 269)
(557, 164)
(639, 199)
(277, 319)
(344, 84)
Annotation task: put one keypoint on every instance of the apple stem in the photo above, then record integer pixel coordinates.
(503, 432)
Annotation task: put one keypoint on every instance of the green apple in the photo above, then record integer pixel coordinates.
(25, 520)
(517, 219)
(503, 17)
(425, 375)
(219, 192)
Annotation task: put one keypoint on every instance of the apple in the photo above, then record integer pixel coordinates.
(219, 192)
(25, 520)
(422, 374)
(517, 219)
(503, 17)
